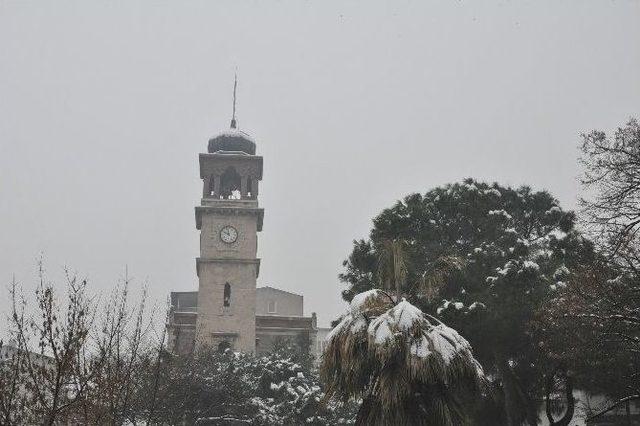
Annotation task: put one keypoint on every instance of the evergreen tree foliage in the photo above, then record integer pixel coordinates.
(518, 248)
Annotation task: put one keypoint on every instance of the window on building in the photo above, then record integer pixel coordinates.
(271, 308)
(227, 295)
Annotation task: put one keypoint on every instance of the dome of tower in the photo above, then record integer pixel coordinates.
(232, 140)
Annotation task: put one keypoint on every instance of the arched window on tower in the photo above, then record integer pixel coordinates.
(227, 295)
(249, 188)
(211, 184)
(230, 184)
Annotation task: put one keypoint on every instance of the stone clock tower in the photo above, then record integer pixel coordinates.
(228, 219)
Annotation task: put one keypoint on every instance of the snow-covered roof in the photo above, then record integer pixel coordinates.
(235, 133)
(232, 140)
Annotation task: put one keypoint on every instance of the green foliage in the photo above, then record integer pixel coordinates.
(297, 349)
(518, 248)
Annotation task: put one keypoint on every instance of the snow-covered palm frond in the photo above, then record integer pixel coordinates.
(408, 367)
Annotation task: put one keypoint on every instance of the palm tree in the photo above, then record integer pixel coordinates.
(407, 366)
(392, 266)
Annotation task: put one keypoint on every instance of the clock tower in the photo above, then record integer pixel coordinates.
(229, 220)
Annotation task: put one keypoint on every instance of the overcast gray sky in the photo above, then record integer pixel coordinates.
(104, 107)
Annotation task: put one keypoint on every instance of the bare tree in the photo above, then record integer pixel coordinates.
(605, 296)
(612, 177)
(79, 361)
(49, 343)
(115, 351)
(12, 401)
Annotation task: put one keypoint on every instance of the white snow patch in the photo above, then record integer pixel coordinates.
(500, 212)
(492, 191)
(401, 317)
(380, 330)
(360, 299)
(558, 234)
(235, 133)
(447, 342)
(477, 305)
(531, 265)
(471, 186)
(561, 272)
(491, 280)
(554, 209)
(338, 328)
(420, 348)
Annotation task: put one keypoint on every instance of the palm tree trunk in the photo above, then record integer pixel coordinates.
(398, 268)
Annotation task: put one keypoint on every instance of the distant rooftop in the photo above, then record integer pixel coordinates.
(184, 301)
(277, 289)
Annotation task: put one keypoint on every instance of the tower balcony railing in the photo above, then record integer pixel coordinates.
(234, 195)
(226, 202)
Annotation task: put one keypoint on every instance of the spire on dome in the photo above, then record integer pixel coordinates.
(232, 140)
(233, 117)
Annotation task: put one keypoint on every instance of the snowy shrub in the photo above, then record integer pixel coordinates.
(212, 387)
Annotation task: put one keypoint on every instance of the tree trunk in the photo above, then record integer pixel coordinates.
(628, 409)
(568, 383)
(511, 391)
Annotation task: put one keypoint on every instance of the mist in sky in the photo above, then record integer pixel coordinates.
(104, 107)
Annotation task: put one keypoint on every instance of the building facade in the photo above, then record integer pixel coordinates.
(228, 311)
(279, 318)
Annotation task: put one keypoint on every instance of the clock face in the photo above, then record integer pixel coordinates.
(229, 234)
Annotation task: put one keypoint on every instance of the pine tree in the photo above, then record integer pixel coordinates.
(518, 247)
